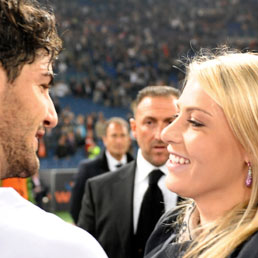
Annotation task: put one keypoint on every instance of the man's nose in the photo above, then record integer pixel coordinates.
(51, 119)
(158, 131)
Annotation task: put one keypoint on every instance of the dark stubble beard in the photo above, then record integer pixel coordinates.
(18, 156)
(21, 161)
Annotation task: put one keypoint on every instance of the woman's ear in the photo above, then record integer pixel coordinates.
(247, 156)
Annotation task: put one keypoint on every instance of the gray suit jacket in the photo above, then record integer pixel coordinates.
(107, 211)
(88, 168)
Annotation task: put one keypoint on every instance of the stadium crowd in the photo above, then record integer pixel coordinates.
(114, 48)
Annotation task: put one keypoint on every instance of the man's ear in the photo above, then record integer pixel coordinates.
(133, 127)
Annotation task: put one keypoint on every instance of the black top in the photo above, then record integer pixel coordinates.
(162, 242)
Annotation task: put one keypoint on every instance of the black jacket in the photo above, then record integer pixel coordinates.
(88, 168)
(162, 242)
(107, 211)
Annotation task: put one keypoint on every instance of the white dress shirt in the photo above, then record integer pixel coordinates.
(141, 183)
(112, 162)
(28, 231)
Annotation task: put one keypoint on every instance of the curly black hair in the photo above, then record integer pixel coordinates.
(25, 28)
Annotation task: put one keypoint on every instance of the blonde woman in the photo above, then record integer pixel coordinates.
(213, 162)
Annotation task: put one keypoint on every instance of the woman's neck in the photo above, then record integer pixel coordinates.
(211, 207)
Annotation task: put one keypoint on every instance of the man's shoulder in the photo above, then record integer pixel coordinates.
(62, 239)
(125, 171)
(22, 222)
(92, 162)
(93, 167)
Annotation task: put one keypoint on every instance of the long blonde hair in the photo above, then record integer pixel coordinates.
(231, 79)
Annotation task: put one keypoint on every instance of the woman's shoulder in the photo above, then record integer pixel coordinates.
(249, 248)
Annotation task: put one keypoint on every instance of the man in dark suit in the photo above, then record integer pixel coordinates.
(117, 141)
(112, 203)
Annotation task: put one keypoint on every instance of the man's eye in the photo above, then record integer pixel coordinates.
(45, 86)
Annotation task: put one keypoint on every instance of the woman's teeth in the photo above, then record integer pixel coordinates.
(178, 160)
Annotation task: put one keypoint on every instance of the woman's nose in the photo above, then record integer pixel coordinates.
(172, 133)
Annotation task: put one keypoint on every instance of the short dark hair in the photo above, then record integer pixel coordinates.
(25, 28)
(116, 120)
(155, 91)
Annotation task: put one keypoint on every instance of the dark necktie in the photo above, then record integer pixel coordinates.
(151, 209)
(119, 165)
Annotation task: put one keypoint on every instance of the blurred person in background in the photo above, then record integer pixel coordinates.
(80, 130)
(62, 148)
(117, 141)
(100, 126)
(28, 46)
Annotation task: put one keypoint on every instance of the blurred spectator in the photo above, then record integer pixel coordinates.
(93, 151)
(39, 192)
(80, 130)
(100, 126)
(42, 150)
(116, 140)
(67, 123)
(90, 123)
(119, 49)
(61, 89)
(71, 143)
(51, 140)
(89, 142)
(62, 149)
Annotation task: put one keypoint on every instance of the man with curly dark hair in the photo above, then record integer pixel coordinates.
(29, 43)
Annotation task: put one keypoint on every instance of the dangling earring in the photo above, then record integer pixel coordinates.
(249, 178)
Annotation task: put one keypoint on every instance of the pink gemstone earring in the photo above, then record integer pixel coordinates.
(249, 178)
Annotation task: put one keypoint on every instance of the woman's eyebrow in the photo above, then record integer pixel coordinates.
(193, 108)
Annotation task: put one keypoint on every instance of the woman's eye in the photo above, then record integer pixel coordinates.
(195, 123)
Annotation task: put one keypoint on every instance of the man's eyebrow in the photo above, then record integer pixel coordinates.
(50, 76)
(169, 118)
(150, 117)
(156, 119)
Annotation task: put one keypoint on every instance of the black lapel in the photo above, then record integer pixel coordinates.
(123, 203)
(129, 157)
(104, 163)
